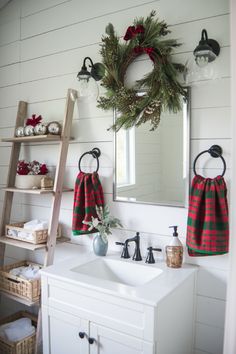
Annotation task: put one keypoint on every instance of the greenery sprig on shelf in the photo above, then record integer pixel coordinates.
(104, 222)
(163, 91)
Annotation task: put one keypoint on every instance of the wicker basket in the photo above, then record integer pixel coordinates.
(39, 236)
(24, 346)
(14, 285)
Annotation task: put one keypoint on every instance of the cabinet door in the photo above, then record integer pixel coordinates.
(64, 333)
(108, 341)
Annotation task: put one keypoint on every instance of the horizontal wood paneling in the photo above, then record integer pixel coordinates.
(69, 37)
(11, 12)
(214, 93)
(43, 61)
(191, 10)
(190, 33)
(210, 123)
(212, 283)
(9, 95)
(29, 7)
(8, 117)
(47, 89)
(9, 32)
(75, 151)
(210, 311)
(10, 54)
(10, 75)
(70, 62)
(72, 12)
(57, 64)
(209, 339)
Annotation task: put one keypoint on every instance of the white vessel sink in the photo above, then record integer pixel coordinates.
(127, 273)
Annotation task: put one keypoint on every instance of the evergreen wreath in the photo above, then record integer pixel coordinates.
(161, 86)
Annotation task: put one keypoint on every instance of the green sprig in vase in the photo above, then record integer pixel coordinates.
(103, 224)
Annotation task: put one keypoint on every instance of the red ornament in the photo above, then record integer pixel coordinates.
(43, 169)
(148, 50)
(34, 120)
(139, 29)
(132, 32)
(22, 168)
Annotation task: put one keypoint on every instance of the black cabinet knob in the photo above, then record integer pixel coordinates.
(81, 335)
(91, 340)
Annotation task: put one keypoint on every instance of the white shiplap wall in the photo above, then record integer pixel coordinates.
(42, 45)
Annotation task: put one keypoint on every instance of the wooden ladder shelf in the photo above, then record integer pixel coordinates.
(56, 192)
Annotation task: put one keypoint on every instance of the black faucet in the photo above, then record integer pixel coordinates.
(150, 258)
(137, 254)
(125, 251)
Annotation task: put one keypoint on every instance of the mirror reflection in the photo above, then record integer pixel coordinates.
(152, 166)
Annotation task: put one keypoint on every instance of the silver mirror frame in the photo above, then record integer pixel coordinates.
(186, 158)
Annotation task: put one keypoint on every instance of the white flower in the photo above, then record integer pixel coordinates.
(95, 222)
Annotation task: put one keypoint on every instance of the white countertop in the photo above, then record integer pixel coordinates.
(150, 293)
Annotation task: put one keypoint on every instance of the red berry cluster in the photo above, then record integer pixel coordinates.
(31, 168)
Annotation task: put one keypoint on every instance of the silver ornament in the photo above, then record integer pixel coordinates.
(19, 132)
(40, 129)
(54, 128)
(29, 130)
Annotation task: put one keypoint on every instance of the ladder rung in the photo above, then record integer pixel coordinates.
(33, 191)
(21, 244)
(19, 299)
(28, 245)
(34, 138)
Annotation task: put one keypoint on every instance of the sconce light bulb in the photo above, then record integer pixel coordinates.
(88, 88)
(202, 61)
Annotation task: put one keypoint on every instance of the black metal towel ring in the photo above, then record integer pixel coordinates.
(95, 153)
(214, 151)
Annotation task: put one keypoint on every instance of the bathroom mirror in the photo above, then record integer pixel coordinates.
(153, 166)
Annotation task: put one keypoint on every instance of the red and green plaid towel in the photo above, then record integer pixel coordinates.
(88, 193)
(208, 224)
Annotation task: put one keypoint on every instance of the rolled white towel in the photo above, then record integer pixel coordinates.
(24, 323)
(12, 232)
(15, 334)
(36, 225)
(16, 271)
(30, 272)
(25, 235)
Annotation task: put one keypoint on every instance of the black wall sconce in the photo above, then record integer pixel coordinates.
(88, 78)
(206, 51)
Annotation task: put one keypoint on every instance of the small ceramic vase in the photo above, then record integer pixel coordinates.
(99, 245)
(28, 181)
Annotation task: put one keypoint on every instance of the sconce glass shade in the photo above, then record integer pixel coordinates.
(195, 73)
(88, 87)
(206, 51)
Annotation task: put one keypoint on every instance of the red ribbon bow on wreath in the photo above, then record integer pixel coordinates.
(132, 32)
(148, 50)
(33, 120)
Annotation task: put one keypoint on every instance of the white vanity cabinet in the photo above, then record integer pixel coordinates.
(80, 318)
(70, 334)
(64, 330)
(108, 341)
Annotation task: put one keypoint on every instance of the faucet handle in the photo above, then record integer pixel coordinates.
(150, 258)
(125, 251)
